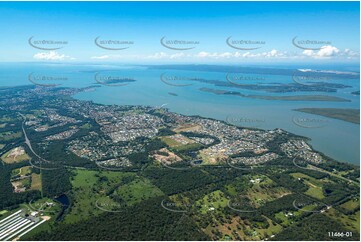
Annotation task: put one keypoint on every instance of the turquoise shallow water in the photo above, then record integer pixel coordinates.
(335, 138)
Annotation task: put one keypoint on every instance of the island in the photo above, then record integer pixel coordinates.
(324, 98)
(345, 114)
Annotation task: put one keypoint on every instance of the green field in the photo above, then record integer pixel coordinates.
(6, 136)
(138, 190)
(90, 187)
(86, 126)
(351, 204)
(315, 192)
(36, 182)
(264, 191)
(46, 206)
(170, 142)
(22, 171)
(286, 221)
(3, 212)
(26, 170)
(212, 201)
(271, 230)
(231, 190)
(177, 146)
(308, 178)
(315, 186)
(191, 146)
(289, 218)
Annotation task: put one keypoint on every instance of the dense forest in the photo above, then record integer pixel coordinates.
(55, 182)
(316, 227)
(175, 181)
(144, 222)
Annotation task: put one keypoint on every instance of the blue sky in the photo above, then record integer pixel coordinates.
(267, 26)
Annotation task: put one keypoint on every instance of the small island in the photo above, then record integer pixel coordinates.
(345, 114)
(325, 98)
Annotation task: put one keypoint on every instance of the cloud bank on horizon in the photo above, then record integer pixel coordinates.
(180, 32)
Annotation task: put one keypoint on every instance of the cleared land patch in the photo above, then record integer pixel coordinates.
(212, 201)
(315, 186)
(351, 204)
(36, 182)
(15, 155)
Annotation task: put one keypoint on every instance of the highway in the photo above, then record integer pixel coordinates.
(28, 143)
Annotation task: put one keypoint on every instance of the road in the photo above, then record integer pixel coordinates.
(28, 143)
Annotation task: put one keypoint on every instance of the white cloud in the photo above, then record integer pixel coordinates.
(351, 54)
(227, 55)
(204, 54)
(325, 52)
(51, 55)
(268, 54)
(308, 52)
(273, 53)
(163, 55)
(116, 57)
(329, 51)
(102, 57)
(158, 55)
(177, 55)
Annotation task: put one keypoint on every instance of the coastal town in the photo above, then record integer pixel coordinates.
(109, 134)
(111, 158)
